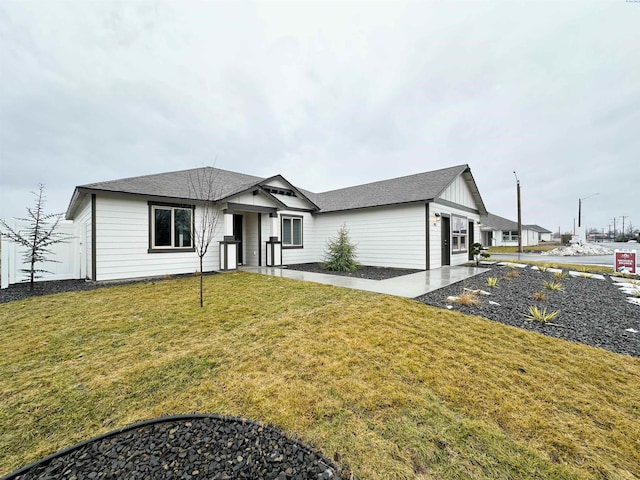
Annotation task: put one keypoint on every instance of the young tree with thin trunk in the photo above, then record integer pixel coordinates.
(204, 186)
(38, 237)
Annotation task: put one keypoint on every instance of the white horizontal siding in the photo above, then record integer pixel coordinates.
(309, 251)
(385, 237)
(122, 243)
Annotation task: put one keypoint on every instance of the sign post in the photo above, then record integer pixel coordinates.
(625, 261)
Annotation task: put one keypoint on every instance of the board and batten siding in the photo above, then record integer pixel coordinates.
(248, 198)
(122, 243)
(385, 236)
(458, 192)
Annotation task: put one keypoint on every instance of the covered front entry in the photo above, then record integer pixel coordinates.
(252, 232)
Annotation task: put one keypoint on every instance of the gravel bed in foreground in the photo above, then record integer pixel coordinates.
(208, 447)
(592, 311)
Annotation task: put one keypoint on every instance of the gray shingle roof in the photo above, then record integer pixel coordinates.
(413, 188)
(495, 222)
(177, 184)
(538, 228)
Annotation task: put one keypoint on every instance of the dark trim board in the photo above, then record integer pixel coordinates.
(471, 234)
(447, 203)
(94, 275)
(428, 237)
(240, 207)
(445, 240)
(259, 239)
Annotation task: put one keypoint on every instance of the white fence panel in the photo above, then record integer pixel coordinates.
(66, 259)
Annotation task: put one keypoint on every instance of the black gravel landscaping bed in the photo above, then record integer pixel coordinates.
(592, 311)
(370, 273)
(20, 291)
(201, 446)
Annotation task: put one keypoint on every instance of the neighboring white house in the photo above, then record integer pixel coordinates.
(143, 226)
(543, 234)
(501, 232)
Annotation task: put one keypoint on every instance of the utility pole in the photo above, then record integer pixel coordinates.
(623, 234)
(580, 216)
(614, 229)
(519, 217)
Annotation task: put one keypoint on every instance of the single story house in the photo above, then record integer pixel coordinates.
(543, 234)
(148, 226)
(501, 232)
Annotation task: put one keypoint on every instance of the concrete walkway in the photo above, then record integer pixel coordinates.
(409, 286)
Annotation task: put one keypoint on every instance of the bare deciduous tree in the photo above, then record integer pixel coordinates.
(204, 186)
(38, 237)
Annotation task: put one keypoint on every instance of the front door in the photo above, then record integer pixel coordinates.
(446, 240)
(237, 234)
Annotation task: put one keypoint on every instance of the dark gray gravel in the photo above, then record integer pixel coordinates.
(20, 291)
(593, 312)
(371, 273)
(190, 448)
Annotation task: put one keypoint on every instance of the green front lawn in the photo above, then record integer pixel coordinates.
(397, 388)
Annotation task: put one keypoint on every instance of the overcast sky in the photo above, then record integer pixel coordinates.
(328, 95)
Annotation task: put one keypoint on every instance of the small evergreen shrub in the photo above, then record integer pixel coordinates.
(340, 254)
(478, 252)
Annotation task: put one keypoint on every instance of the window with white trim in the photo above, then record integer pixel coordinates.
(291, 231)
(459, 234)
(171, 227)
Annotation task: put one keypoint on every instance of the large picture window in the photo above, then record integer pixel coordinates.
(459, 234)
(171, 227)
(292, 231)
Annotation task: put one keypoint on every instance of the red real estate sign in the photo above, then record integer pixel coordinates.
(625, 261)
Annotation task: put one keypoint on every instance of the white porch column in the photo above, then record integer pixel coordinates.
(228, 246)
(274, 246)
(228, 224)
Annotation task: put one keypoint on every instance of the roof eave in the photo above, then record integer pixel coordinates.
(293, 187)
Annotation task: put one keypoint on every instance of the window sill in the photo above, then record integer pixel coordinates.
(459, 252)
(171, 250)
(292, 247)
